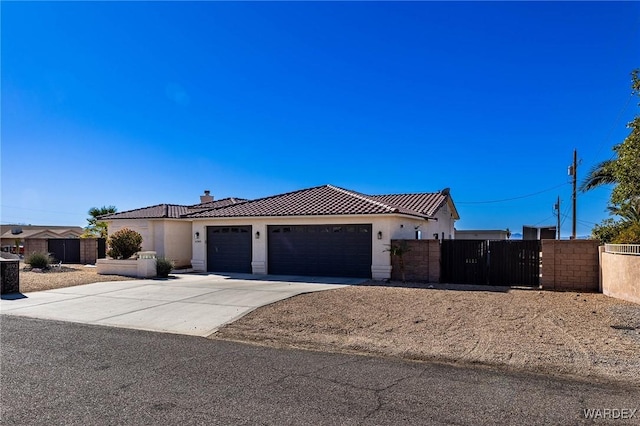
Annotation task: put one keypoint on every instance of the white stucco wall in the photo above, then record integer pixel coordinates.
(142, 226)
(392, 227)
(380, 258)
(177, 240)
(169, 238)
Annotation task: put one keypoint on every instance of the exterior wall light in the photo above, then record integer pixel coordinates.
(379, 235)
(197, 235)
(257, 235)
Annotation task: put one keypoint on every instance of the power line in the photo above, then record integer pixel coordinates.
(565, 215)
(513, 198)
(543, 220)
(586, 222)
(614, 125)
(37, 210)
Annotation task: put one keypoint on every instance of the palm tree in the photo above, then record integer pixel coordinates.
(629, 211)
(600, 174)
(96, 228)
(400, 251)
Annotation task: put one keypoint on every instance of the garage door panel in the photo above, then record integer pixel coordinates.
(325, 250)
(229, 249)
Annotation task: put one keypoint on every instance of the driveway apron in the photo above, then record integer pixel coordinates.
(192, 304)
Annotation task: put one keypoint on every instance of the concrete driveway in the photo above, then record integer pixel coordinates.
(196, 305)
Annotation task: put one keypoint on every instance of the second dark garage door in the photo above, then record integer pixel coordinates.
(320, 250)
(229, 249)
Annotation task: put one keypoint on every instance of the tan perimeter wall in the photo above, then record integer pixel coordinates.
(88, 250)
(621, 276)
(35, 246)
(570, 265)
(421, 263)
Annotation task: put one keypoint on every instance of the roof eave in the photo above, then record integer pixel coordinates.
(319, 215)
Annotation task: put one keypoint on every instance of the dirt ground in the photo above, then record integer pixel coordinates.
(65, 276)
(587, 335)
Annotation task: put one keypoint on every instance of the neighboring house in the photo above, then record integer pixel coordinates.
(482, 234)
(320, 231)
(34, 237)
(538, 232)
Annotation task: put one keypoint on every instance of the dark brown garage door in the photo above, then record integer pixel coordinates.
(320, 250)
(229, 249)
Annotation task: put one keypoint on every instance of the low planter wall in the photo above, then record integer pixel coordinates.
(142, 267)
(621, 276)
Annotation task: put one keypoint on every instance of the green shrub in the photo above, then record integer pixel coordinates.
(38, 260)
(124, 243)
(630, 234)
(163, 267)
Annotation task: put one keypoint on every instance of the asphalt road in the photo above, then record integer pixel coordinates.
(66, 373)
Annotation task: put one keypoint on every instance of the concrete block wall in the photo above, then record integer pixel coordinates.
(421, 262)
(35, 246)
(88, 250)
(570, 265)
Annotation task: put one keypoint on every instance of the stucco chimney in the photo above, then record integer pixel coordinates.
(206, 198)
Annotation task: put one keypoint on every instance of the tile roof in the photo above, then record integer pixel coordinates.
(425, 203)
(53, 232)
(217, 204)
(323, 200)
(170, 211)
(151, 212)
(329, 200)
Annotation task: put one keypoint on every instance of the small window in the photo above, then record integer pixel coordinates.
(225, 230)
(275, 230)
(286, 229)
(351, 229)
(337, 229)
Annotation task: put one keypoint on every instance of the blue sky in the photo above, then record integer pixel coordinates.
(139, 103)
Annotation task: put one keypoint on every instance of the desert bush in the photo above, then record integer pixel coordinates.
(124, 243)
(163, 267)
(38, 260)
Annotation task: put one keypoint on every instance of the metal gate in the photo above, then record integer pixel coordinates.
(65, 250)
(102, 248)
(493, 262)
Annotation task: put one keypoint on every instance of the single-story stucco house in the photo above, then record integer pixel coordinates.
(319, 231)
(35, 236)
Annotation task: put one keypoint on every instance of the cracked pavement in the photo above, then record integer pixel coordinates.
(55, 372)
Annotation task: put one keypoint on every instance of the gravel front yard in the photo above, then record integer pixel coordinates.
(578, 334)
(66, 276)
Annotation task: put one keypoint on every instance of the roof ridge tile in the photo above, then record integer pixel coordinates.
(364, 198)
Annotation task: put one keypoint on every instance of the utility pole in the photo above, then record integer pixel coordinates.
(573, 171)
(557, 207)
